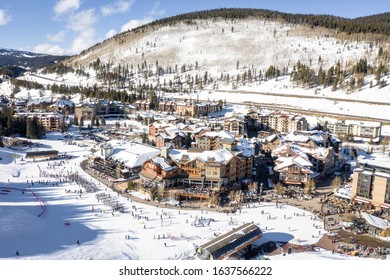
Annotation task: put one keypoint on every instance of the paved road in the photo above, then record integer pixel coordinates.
(337, 99)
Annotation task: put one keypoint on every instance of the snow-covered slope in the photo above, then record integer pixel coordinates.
(218, 44)
(223, 51)
(26, 59)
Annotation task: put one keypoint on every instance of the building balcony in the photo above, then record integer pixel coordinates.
(293, 182)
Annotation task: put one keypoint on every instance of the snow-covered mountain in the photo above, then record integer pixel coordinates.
(25, 59)
(219, 44)
(271, 59)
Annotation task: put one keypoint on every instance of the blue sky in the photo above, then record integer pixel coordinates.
(70, 26)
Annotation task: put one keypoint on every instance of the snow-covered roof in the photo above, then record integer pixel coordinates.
(376, 221)
(318, 138)
(171, 118)
(45, 99)
(222, 155)
(162, 162)
(344, 192)
(319, 153)
(285, 162)
(290, 150)
(378, 162)
(63, 103)
(233, 115)
(363, 123)
(382, 174)
(220, 134)
(302, 162)
(295, 138)
(132, 154)
(245, 147)
(271, 138)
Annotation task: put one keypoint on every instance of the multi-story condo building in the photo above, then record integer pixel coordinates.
(212, 168)
(144, 105)
(103, 108)
(371, 184)
(363, 129)
(201, 169)
(316, 162)
(196, 109)
(159, 171)
(292, 167)
(211, 140)
(234, 123)
(281, 122)
(50, 121)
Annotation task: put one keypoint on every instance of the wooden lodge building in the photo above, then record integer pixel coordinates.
(229, 243)
(42, 154)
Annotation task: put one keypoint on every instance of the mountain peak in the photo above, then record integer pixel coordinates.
(26, 59)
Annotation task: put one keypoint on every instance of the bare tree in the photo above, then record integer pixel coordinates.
(310, 186)
(336, 182)
(280, 188)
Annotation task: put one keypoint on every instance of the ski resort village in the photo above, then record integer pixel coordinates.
(224, 134)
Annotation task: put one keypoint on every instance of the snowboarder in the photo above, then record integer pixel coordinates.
(78, 242)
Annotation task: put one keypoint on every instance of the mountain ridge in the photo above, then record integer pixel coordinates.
(316, 20)
(26, 59)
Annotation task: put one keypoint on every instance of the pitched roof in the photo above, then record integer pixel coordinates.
(222, 155)
(132, 154)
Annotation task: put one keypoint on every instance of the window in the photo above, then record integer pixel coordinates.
(387, 192)
(364, 186)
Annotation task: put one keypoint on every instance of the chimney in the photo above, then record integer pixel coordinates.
(164, 152)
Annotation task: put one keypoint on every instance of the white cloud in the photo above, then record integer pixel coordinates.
(135, 23)
(58, 38)
(156, 10)
(110, 33)
(49, 49)
(120, 6)
(82, 20)
(4, 17)
(64, 6)
(84, 40)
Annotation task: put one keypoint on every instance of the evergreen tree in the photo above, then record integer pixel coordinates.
(97, 123)
(34, 128)
(31, 129)
(81, 124)
(10, 123)
(320, 76)
(103, 121)
(40, 130)
(144, 138)
(63, 126)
